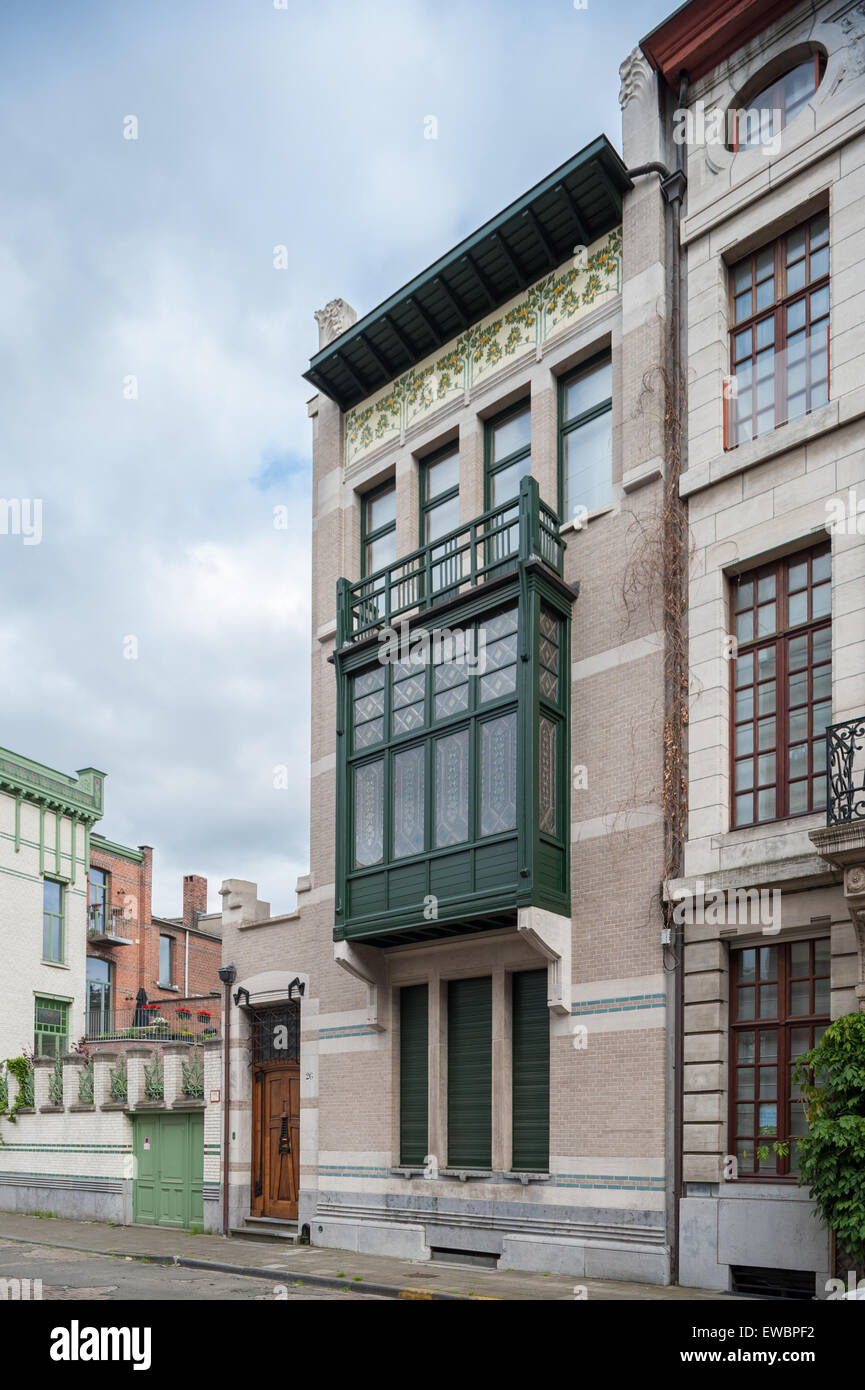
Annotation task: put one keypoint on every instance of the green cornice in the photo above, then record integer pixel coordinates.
(81, 797)
(99, 843)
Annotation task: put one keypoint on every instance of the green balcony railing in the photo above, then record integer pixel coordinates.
(483, 549)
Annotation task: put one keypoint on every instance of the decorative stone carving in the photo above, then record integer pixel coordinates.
(333, 319)
(854, 881)
(634, 73)
(852, 26)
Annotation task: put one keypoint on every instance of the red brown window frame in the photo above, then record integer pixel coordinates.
(782, 1025)
(777, 311)
(780, 638)
(819, 73)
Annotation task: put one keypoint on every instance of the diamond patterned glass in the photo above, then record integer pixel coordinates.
(369, 814)
(499, 774)
(452, 788)
(408, 802)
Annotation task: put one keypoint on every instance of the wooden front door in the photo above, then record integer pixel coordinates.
(276, 1140)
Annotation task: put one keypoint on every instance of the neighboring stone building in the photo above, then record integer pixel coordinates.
(46, 818)
(774, 242)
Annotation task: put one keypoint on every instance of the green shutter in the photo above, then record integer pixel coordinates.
(413, 1074)
(470, 1073)
(531, 1072)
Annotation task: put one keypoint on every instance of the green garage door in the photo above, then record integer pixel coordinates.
(413, 1074)
(470, 1073)
(169, 1169)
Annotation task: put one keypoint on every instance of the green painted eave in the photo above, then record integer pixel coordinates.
(98, 844)
(81, 796)
(574, 205)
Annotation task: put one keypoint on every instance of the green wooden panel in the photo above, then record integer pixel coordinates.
(451, 875)
(407, 886)
(145, 1204)
(496, 866)
(531, 1071)
(173, 1170)
(470, 1073)
(413, 1074)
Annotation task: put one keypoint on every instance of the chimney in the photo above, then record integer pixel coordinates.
(194, 899)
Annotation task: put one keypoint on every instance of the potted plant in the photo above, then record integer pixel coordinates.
(203, 1016)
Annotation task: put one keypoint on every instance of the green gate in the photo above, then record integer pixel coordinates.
(169, 1169)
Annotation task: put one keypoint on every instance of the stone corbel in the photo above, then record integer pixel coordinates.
(550, 936)
(854, 897)
(366, 964)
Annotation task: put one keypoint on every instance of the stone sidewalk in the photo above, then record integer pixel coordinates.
(376, 1274)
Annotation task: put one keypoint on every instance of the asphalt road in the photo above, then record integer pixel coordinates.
(72, 1274)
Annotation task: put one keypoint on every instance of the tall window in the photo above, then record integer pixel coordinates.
(52, 920)
(51, 1027)
(440, 513)
(166, 960)
(508, 449)
(779, 1009)
(773, 108)
(378, 529)
(97, 900)
(782, 692)
(586, 438)
(98, 996)
(779, 342)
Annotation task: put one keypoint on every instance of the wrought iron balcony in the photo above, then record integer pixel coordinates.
(162, 1020)
(845, 764)
(484, 549)
(107, 926)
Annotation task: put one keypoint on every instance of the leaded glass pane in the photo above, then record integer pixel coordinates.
(499, 774)
(497, 683)
(452, 788)
(369, 814)
(408, 802)
(501, 624)
(547, 778)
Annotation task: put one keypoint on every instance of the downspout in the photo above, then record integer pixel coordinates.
(673, 184)
(227, 975)
(186, 967)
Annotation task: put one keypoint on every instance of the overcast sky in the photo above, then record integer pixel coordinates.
(160, 629)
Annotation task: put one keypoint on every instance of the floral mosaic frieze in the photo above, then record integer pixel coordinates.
(521, 326)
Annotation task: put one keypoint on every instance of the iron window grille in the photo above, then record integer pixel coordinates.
(274, 1033)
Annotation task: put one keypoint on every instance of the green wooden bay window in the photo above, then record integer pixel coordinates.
(452, 805)
(413, 1074)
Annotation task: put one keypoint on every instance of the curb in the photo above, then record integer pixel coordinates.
(273, 1276)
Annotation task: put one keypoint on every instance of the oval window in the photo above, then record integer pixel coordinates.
(771, 109)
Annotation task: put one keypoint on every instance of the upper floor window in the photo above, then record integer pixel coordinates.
(779, 342)
(440, 514)
(166, 960)
(771, 109)
(779, 1009)
(586, 438)
(378, 529)
(782, 692)
(52, 920)
(508, 454)
(97, 900)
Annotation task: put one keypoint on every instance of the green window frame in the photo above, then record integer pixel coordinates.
(587, 421)
(530, 1072)
(439, 491)
(514, 427)
(470, 1073)
(401, 768)
(50, 1026)
(166, 960)
(99, 991)
(53, 920)
(377, 551)
(97, 899)
(413, 1075)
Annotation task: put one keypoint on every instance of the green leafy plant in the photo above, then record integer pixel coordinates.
(55, 1084)
(193, 1076)
(22, 1069)
(118, 1080)
(154, 1085)
(832, 1153)
(85, 1083)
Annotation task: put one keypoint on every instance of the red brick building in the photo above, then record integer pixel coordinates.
(143, 969)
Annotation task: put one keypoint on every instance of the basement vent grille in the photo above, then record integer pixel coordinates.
(773, 1283)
